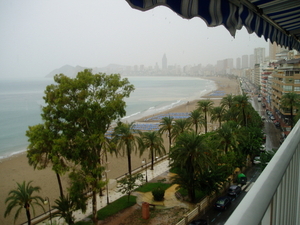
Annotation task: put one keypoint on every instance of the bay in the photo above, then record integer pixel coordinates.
(21, 102)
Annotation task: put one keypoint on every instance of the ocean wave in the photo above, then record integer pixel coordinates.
(11, 154)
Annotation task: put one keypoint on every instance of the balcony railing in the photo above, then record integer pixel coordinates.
(274, 199)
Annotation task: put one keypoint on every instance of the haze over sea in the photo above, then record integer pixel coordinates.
(21, 102)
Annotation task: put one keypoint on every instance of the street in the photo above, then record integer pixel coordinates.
(273, 135)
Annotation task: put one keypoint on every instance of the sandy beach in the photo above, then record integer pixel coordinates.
(16, 169)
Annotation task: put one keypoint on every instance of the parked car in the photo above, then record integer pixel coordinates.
(256, 160)
(272, 117)
(276, 123)
(262, 148)
(222, 203)
(198, 222)
(234, 190)
(263, 117)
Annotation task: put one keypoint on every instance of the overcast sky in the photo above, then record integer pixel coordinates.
(38, 36)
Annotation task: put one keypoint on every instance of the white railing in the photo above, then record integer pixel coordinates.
(274, 199)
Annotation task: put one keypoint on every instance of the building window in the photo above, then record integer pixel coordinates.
(296, 88)
(297, 82)
(287, 88)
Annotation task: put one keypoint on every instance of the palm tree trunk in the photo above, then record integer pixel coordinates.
(28, 214)
(170, 142)
(205, 122)
(244, 117)
(129, 161)
(60, 185)
(152, 158)
(292, 119)
(94, 202)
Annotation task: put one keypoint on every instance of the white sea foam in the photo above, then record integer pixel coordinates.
(22, 103)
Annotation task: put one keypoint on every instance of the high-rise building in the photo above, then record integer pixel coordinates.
(251, 61)
(164, 63)
(238, 63)
(245, 61)
(274, 49)
(259, 55)
(286, 79)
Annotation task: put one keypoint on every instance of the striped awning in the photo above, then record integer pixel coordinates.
(276, 20)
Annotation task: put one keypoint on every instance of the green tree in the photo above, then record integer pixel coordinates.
(196, 118)
(81, 110)
(125, 138)
(65, 207)
(22, 197)
(205, 106)
(190, 157)
(166, 125)
(227, 101)
(180, 126)
(152, 141)
(217, 114)
(128, 184)
(290, 100)
(40, 152)
(242, 105)
(227, 136)
(265, 158)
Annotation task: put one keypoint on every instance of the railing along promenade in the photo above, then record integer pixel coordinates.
(274, 199)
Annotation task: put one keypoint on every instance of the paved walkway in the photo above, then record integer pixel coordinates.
(113, 194)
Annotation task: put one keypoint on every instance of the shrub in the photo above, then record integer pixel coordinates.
(158, 194)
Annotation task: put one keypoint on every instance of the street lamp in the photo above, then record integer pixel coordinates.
(46, 202)
(145, 162)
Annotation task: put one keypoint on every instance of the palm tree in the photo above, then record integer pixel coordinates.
(125, 139)
(226, 136)
(205, 106)
(217, 114)
(180, 126)
(166, 125)
(153, 141)
(22, 197)
(190, 156)
(242, 105)
(227, 101)
(65, 207)
(290, 100)
(196, 118)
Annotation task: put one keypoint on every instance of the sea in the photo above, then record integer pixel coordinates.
(21, 101)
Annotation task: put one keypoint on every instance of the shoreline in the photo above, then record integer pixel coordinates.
(16, 169)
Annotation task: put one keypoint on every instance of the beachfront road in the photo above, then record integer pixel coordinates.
(215, 217)
(272, 142)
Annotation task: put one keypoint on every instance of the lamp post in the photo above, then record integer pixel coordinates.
(46, 202)
(145, 162)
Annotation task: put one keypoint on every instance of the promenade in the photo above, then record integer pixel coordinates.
(160, 167)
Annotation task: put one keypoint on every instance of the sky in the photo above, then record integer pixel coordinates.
(38, 36)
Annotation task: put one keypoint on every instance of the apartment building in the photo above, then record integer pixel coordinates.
(286, 78)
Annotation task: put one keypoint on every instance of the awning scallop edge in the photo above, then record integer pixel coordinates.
(276, 20)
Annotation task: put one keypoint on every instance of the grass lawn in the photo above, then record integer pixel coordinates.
(116, 206)
(112, 209)
(122, 203)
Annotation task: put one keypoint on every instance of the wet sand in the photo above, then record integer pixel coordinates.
(16, 169)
